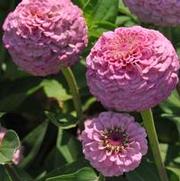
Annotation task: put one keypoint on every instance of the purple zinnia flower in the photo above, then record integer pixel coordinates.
(160, 12)
(42, 35)
(132, 69)
(113, 143)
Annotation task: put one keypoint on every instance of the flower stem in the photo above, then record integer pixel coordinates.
(69, 76)
(148, 121)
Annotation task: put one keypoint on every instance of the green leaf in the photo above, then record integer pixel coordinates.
(82, 3)
(54, 89)
(12, 93)
(163, 149)
(4, 174)
(11, 70)
(106, 10)
(2, 114)
(100, 15)
(8, 146)
(8, 172)
(68, 146)
(101, 178)
(69, 168)
(124, 10)
(167, 130)
(145, 172)
(33, 141)
(84, 174)
(171, 154)
(120, 178)
(171, 108)
(22, 174)
(172, 104)
(55, 158)
(122, 19)
(173, 173)
(11, 102)
(65, 121)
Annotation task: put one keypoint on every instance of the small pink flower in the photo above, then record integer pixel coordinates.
(18, 156)
(132, 69)
(160, 12)
(114, 143)
(3, 132)
(42, 36)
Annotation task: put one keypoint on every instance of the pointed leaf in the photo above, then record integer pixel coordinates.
(34, 140)
(54, 89)
(65, 121)
(4, 174)
(85, 174)
(145, 172)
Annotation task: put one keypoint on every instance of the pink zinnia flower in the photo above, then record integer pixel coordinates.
(160, 12)
(114, 143)
(43, 35)
(132, 69)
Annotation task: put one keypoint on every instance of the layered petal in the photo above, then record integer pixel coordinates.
(132, 69)
(42, 36)
(114, 147)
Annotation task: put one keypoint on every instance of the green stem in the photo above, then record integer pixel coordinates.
(148, 121)
(69, 76)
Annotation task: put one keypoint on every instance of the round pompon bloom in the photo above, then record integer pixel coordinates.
(132, 69)
(42, 35)
(160, 12)
(114, 143)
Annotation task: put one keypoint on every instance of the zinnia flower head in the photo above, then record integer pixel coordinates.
(42, 35)
(113, 143)
(132, 69)
(160, 12)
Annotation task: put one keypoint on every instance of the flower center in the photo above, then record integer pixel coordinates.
(115, 140)
(124, 46)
